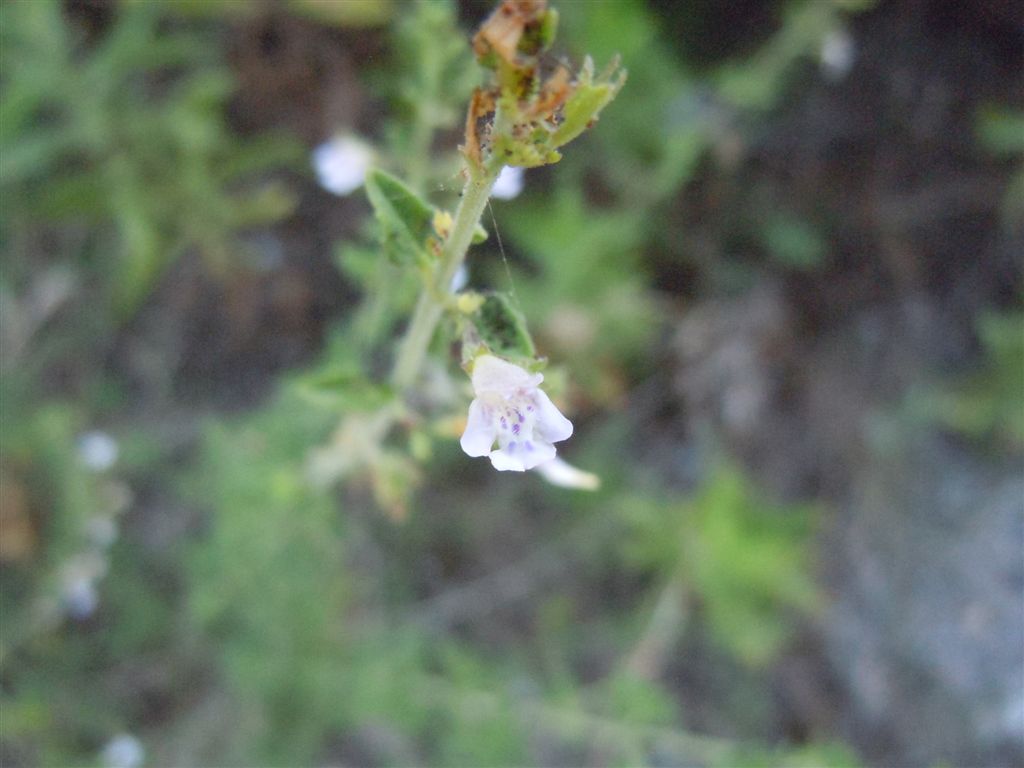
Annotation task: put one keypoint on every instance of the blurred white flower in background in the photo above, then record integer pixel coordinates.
(509, 183)
(77, 584)
(80, 598)
(101, 530)
(97, 450)
(341, 164)
(565, 475)
(837, 54)
(460, 279)
(511, 409)
(123, 751)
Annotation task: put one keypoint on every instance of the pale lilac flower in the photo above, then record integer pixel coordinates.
(123, 751)
(341, 164)
(565, 475)
(511, 409)
(509, 183)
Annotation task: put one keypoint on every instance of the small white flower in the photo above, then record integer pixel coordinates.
(509, 183)
(341, 164)
(565, 475)
(511, 409)
(123, 751)
(80, 599)
(97, 450)
(837, 54)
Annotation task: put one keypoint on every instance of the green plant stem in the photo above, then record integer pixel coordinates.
(430, 306)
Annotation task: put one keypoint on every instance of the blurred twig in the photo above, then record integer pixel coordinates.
(20, 321)
(585, 727)
(937, 203)
(509, 584)
(648, 656)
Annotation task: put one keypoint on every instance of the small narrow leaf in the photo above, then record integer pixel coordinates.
(502, 328)
(405, 218)
(587, 100)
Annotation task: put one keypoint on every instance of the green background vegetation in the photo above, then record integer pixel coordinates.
(172, 275)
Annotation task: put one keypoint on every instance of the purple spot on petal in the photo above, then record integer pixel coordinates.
(529, 446)
(515, 429)
(511, 448)
(504, 423)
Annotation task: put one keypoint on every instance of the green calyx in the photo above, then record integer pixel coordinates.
(525, 116)
(497, 327)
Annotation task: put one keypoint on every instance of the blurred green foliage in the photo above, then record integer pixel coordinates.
(742, 560)
(987, 405)
(758, 81)
(272, 538)
(1001, 132)
(654, 134)
(794, 243)
(747, 561)
(289, 623)
(127, 136)
(586, 259)
(61, 699)
(428, 81)
(115, 158)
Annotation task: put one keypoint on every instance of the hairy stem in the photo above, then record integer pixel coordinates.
(430, 307)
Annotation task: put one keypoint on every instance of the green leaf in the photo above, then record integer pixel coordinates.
(748, 562)
(265, 204)
(405, 218)
(35, 151)
(352, 14)
(586, 102)
(580, 110)
(1001, 131)
(989, 404)
(525, 154)
(503, 328)
(630, 699)
(538, 37)
(794, 243)
(812, 755)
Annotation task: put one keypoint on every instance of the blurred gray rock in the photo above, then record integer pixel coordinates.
(927, 629)
(923, 555)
